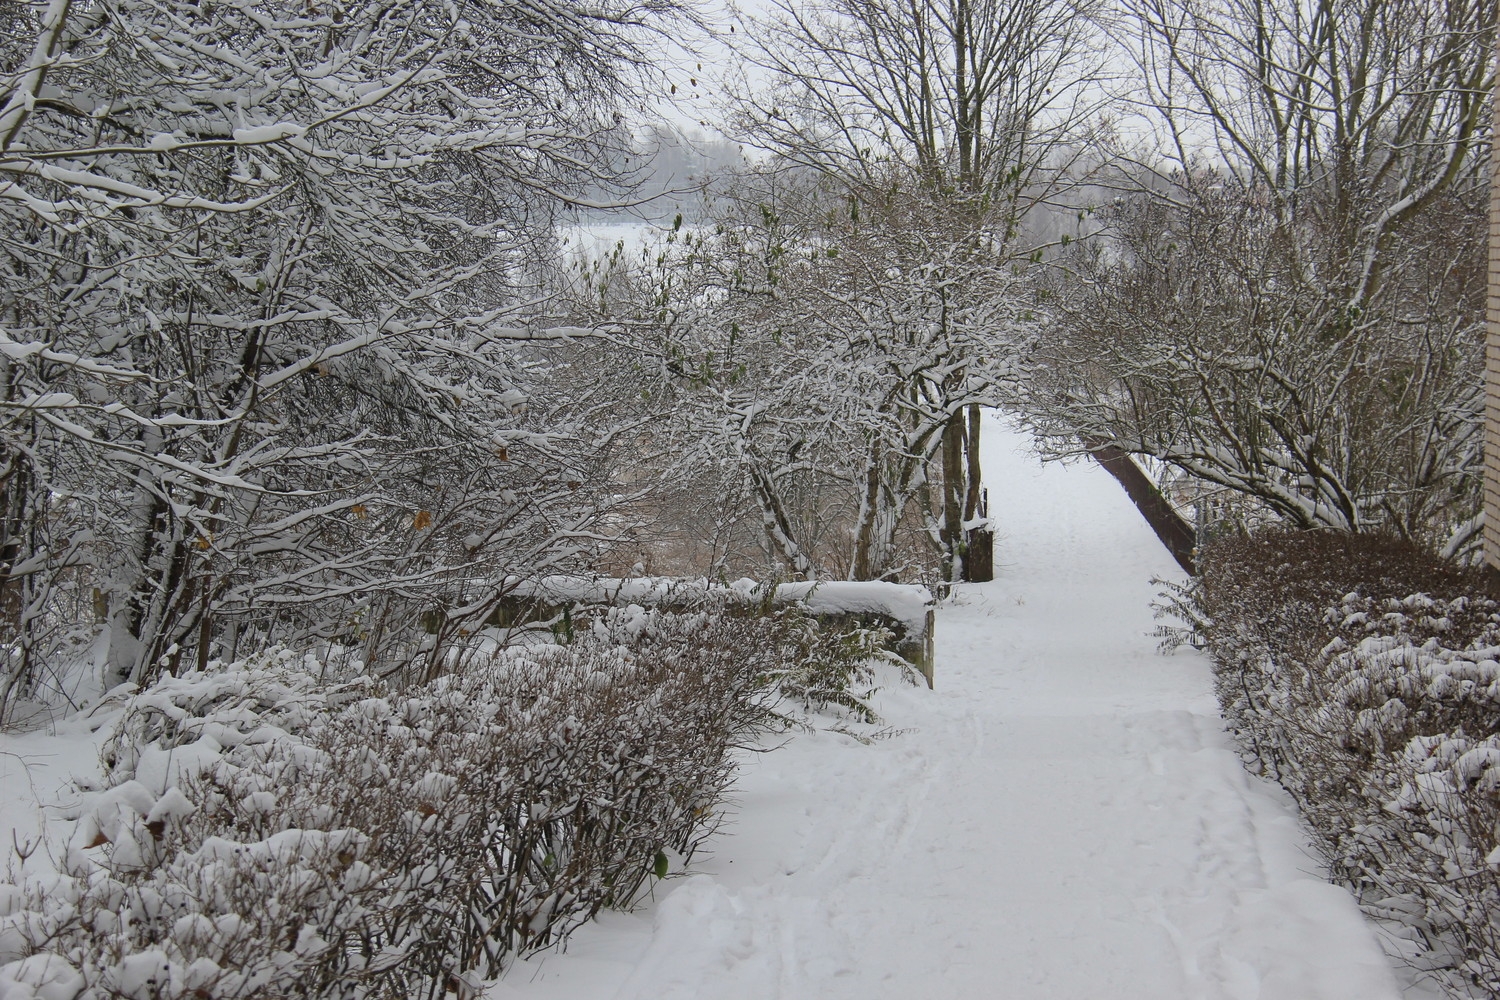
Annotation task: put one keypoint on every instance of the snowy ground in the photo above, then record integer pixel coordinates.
(37, 767)
(1062, 819)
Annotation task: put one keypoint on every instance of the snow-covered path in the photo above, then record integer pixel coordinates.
(1062, 819)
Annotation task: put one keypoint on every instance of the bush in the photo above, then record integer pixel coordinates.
(834, 668)
(830, 638)
(265, 833)
(1364, 675)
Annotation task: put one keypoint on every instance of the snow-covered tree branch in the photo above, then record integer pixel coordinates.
(814, 349)
(265, 269)
(1287, 306)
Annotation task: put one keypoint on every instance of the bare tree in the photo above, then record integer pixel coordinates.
(984, 104)
(266, 271)
(1288, 307)
(819, 348)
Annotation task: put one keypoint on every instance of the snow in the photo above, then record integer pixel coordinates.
(260, 134)
(905, 603)
(1063, 818)
(595, 242)
(38, 798)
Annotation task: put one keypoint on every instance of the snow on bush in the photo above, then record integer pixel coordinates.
(1364, 676)
(264, 832)
(832, 637)
(905, 607)
(837, 671)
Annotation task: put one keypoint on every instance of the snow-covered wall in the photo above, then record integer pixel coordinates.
(1492, 377)
(908, 606)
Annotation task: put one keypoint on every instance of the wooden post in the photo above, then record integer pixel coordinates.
(979, 545)
(925, 658)
(979, 556)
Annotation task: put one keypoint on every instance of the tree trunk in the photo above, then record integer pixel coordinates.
(17, 503)
(954, 494)
(864, 539)
(778, 525)
(971, 460)
(1175, 532)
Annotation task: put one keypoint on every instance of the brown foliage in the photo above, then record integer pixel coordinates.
(1363, 674)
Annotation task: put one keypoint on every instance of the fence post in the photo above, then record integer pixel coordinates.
(979, 556)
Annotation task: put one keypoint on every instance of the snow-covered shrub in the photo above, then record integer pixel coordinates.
(1364, 676)
(831, 650)
(263, 835)
(829, 637)
(834, 665)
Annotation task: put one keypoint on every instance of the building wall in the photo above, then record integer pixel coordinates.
(1492, 376)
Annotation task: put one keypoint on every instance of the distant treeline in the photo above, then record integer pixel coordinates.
(672, 169)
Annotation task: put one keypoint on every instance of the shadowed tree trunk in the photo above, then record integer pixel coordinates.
(979, 543)
(955, 492)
